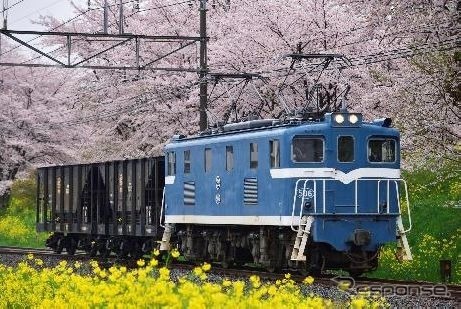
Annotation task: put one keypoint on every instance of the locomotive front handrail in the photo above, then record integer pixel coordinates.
(302, 201)
(324, 182)
(396, 182)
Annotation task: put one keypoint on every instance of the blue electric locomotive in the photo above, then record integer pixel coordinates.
(314, 194)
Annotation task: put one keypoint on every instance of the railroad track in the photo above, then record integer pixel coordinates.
(20, 250)
(78, 256)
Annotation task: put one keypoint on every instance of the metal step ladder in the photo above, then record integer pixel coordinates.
(403, 248)
(301, 238)
(165, 242)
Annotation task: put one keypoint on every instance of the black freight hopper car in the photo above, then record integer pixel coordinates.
(102, 207)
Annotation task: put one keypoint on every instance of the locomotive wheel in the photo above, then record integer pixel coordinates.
(271, 269)
(71, 246)
(225, 259)
(305, 270)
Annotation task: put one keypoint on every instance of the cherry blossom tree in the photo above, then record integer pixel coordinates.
(401, 64)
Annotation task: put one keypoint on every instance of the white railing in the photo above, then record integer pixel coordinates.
(161, 209)
(324, 181)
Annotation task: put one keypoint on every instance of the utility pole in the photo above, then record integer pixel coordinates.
(121, 17)
(203, 70)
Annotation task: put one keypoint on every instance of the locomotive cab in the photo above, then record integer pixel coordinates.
(346, 175)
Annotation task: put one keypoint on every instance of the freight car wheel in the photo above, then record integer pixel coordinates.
(136, 251)
(106, 249)
(59, 246)
(93, 251)
(124, 249)
(71, 246)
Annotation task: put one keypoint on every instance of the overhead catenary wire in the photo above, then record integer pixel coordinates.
(12, 6)
(79, 15)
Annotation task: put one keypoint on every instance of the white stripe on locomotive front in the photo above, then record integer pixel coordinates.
(332, 173)
(233, 220)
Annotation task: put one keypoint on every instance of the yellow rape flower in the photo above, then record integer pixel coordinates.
(344, 285)
(175, 253)
(63, 264)
(141, 262)
(30, 256)
(153, 263)
(156, 252)
(206, 266)
(102, 274)
(308, 280)
(359, 303)
(198, 271)
(255, 281)
(164, 273)
(93, 263)
(272, 290)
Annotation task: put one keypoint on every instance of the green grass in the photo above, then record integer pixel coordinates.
(17, 220)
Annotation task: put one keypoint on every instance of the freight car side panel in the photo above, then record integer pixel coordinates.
(108, 198)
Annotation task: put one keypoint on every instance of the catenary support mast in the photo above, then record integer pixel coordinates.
(203, 122)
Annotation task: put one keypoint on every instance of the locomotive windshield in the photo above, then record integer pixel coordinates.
(345, 149)
(381, 150)
(307, 149)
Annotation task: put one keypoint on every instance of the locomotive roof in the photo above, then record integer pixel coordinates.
(312, 127)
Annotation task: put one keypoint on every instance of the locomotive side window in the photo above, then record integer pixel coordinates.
(207, 159)
(229, 158)
(345, 149)
(253, 155)
(274, 147)
(381, 150)
(186, 161)
(171, 159)
(307, 149)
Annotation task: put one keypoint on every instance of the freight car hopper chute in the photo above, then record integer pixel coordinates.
(101, 207)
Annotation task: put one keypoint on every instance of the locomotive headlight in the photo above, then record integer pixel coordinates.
(339, 118)
(353, 119)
